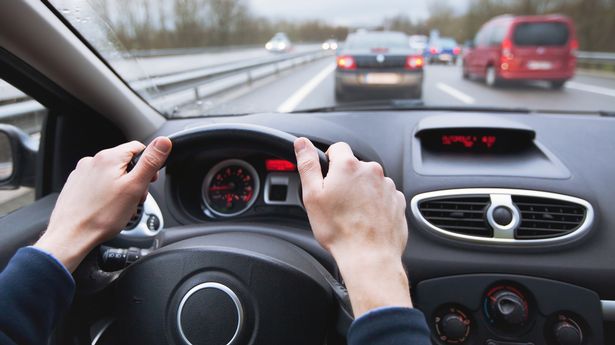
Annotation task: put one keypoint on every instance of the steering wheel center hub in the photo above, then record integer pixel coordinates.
(209, 313)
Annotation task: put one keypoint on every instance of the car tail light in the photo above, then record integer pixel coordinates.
(346, 62)
(380, 50)
(433, 50)
(574, 46)
(507, 50)
(414, 62)
(456, 50)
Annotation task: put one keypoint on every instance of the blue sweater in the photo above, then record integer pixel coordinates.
(36, 290)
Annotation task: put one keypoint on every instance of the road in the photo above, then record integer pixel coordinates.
(313, 86)
(134, 69)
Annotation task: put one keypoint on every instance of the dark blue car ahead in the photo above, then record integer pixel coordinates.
(443, 50)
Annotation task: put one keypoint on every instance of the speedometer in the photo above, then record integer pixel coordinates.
(230, 188)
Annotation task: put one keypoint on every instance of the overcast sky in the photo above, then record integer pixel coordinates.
(348, 12)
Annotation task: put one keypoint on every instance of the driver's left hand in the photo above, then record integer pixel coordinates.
(99, 198)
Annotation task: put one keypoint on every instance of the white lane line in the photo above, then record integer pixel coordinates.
(590, 88)
(293, 101)
(456, 93)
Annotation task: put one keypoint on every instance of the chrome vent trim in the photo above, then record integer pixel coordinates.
(142, 230)
(504, 235)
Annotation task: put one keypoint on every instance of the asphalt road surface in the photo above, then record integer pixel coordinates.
(312, 86)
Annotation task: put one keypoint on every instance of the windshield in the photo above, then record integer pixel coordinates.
(231, 57)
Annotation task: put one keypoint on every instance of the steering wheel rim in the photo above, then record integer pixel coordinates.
(277, 143)
(247, 265)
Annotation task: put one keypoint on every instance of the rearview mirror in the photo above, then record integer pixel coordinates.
(17, 158)
(469, 44)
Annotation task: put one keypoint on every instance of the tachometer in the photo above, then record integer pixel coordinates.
(230, 188)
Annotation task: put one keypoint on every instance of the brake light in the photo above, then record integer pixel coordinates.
(346, 62)
(507, 49)
(574, 45)
(279, 165)
(456, 50)
(414, 62)
(380, 50)
(433, 50)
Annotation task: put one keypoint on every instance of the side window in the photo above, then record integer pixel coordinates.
(498, 34)
(482, 37)
(19, 110)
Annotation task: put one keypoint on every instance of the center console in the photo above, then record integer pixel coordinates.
(494, 309)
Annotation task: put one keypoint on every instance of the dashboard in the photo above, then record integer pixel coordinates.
(509, 214)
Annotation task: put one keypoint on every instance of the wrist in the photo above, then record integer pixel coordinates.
(374, 281)
(69, 250)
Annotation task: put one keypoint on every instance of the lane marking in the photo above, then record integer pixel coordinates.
(456, 93)
(590, 88)
(293, 101)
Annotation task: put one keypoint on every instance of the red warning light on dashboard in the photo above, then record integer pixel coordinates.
(469, 141)
(279, 165)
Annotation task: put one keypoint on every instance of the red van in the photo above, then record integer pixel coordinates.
(523, 48)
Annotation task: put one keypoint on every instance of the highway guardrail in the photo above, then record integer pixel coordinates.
(171, 91)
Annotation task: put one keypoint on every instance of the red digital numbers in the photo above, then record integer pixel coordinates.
(469, 141)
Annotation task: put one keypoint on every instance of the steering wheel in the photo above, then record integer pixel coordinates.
(239, 287)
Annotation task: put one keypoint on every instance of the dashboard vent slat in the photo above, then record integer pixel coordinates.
(461, 215)
(547, 218)
(136, 218)
(503, 216)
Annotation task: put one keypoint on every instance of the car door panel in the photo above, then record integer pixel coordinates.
(24, 226)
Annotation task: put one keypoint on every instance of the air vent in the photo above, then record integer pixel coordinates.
(512, 217)
(546, 217)
(460, 215)
(136, 218)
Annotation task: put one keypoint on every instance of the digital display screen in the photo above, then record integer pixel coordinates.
(469, 141)
(475, 140)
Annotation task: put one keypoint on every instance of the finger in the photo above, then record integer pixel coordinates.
(155, 178)
(341, 156)
(375, 169)
(122, 153)
(308, 166)
(151, 160)
(143, 197)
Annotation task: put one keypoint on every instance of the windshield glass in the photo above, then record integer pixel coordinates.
(225, 57)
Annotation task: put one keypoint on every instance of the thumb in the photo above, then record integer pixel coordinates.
(308, 166)
(152, 159)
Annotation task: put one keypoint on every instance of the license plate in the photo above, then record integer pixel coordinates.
(445, 57)
(539, 65)
(382, 78)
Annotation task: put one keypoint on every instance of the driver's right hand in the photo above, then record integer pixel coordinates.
(357, 214)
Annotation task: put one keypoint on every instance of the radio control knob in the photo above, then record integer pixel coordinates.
(508, 309)
(453, 327)
(567, 333)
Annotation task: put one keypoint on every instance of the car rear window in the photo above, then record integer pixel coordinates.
(366, 41)
(541, 34)
(447, 43)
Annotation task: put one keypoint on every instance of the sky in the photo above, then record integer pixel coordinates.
(348, 12)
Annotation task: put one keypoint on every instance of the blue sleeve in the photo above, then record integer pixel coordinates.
(390, 326)
(35, 291)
